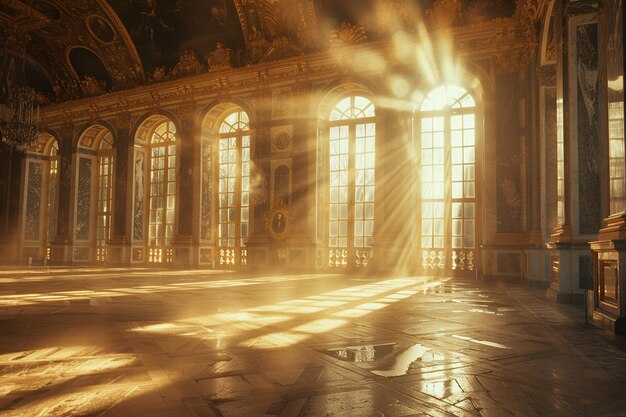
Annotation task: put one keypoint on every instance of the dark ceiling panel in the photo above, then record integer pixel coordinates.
(162, 30)
(87, 64)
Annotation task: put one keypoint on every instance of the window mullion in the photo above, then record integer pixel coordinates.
(238, 169)
(166, 165)
(447, 214)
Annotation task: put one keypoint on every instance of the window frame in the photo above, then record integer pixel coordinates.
(236, 131)
(447, 109)
(349, 118)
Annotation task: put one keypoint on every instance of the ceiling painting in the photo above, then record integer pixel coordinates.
(162, 29)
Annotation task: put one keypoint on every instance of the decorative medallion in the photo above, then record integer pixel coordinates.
(101, 29)
(281, 138)
(278, 224)
(219, 59)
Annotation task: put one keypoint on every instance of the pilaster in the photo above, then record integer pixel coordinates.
(62, 244)
(119, 251)
(185, 243)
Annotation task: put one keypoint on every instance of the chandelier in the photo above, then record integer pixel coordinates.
(19, 118)
(19, 112)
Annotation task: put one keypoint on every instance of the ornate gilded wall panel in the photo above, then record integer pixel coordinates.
(32, 217)
(83, 204)
(585, 74)
(205, 216)
(509, 158)
(139, 196)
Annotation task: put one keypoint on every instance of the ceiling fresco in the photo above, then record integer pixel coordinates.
(162, 29)
(78, 48)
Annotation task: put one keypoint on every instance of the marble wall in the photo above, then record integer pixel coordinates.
(32, 219)
(509, 156)
(588, 126)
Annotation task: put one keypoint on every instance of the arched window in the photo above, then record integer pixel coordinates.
(234, 188)
(447, 196)
(351, 173)
(105, 196)
(161, 192)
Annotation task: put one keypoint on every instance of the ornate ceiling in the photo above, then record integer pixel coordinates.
(78, 48)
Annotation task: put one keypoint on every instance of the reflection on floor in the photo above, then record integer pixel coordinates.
(137, 342)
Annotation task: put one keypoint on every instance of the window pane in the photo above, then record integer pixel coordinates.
(447, 173)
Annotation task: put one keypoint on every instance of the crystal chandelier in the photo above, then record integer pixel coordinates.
(19, 113)
(19, 118)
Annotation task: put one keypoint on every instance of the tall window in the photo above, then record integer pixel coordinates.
(162, 197)
(234, 188)
(617, 182)
(105, 196)
(448, 180)
(53, 181)
(352, 156)
(560, 166)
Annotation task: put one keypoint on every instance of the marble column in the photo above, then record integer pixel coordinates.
(185, 241)
(578, 197)
(609, 251)
(61, 247)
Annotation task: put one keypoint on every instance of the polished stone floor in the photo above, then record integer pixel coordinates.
(136, 342)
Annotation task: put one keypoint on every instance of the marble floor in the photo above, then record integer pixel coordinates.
(137, 342)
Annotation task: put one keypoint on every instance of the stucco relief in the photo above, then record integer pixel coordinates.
(138, 204)
(83, 199)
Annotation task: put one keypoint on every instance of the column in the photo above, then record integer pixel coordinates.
(579, 141)
(395, 243)
(119, 250)
(11, 162)
(609, 251)
(261, 253)
(185, 241)
(61, 247)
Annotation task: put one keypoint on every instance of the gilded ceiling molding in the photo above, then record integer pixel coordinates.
(348, 34)
(281, 48)
(121, 29)
(21, 17)
(242, 21)
(502, 45)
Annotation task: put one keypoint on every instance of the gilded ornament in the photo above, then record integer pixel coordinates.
(446, 13)
(187, 65)
(220, 58)
(348, 33)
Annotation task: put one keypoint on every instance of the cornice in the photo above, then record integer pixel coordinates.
(471, 43)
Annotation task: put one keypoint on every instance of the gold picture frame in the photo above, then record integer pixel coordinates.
(278, 223)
